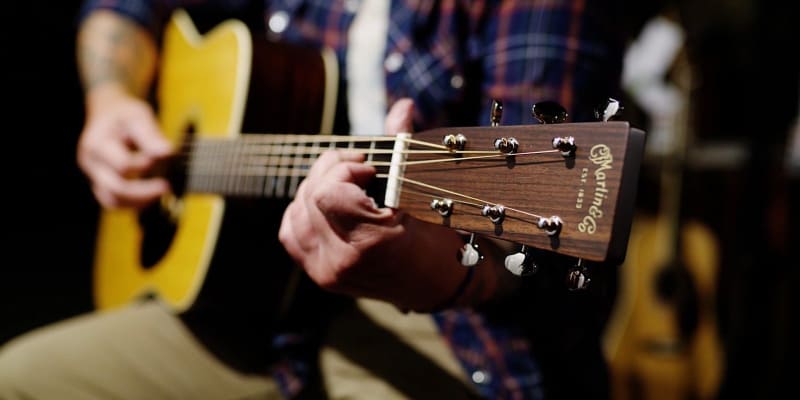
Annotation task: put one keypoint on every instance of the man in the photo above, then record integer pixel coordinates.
(441, 64)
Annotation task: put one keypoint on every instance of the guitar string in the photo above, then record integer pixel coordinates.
(255, 160)
(234, 167)
(479, 202)
(254, 152)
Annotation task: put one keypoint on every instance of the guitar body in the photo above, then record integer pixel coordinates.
(210, 86)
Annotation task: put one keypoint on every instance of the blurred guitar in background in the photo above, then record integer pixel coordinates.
(661, 341)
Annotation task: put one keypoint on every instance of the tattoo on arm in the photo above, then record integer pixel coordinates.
(111, 49)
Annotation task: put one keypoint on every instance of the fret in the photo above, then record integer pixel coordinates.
(371, 148)
(208, 156)
(218, 180)
(250, 167)
(299, 159)
(272, 168)
(285, 159)
(194, 181)
(246, 166)
(234, 175)
(261, 177)
(226, 169)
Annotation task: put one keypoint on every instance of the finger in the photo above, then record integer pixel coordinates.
(289, 233)
(120, 192)
(145, 134)
(296, 228)
(329, 158)
(309, 240)
(349, 171)
(346, 210)
(400, 117)
(117, 156)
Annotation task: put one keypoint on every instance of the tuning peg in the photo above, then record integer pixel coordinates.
(469, 254)
(496, 113)
(578, 277)
(549, 112)
(521, 263)
(610, 109)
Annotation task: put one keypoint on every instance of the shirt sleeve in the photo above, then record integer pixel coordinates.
(147, 13)
(153, 14)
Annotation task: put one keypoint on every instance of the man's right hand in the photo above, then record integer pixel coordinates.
(119, 143)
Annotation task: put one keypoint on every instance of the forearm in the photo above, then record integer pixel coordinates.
(114, 54)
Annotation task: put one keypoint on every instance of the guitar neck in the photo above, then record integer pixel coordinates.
(263, 165)
(575, 200)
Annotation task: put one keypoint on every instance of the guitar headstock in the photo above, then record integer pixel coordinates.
(567, 188)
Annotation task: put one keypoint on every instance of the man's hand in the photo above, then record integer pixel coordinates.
(120, 142)
(346, 244)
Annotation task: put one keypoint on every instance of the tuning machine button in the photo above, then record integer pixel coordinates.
(469, 255)
(549, 112)
(609, 110)
(496, 113)
(521, 263)
(578, 277)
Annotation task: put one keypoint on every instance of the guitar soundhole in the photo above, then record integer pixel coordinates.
(158, 232)
(675, 286)
(157, 221)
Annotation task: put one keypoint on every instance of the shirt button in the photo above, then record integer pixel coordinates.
(351, 6)
(481, 377)
(393, 62)
(278, 21)
(457, 81)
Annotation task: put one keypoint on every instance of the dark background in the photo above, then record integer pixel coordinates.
(50, 213)
(744, 52)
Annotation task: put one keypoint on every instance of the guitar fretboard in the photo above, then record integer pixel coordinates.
(256, 165)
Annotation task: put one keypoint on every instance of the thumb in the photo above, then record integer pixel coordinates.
(399, 119)
(147, 136)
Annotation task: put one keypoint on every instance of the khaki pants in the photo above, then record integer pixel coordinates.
(144, 352)
(376, 352)
(139, 352)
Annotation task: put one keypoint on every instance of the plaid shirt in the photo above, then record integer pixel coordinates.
(453, 57)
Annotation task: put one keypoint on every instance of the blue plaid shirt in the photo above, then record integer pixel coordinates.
(445, 53)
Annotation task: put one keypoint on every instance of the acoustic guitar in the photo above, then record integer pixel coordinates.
(567, 188)
(662, 341)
